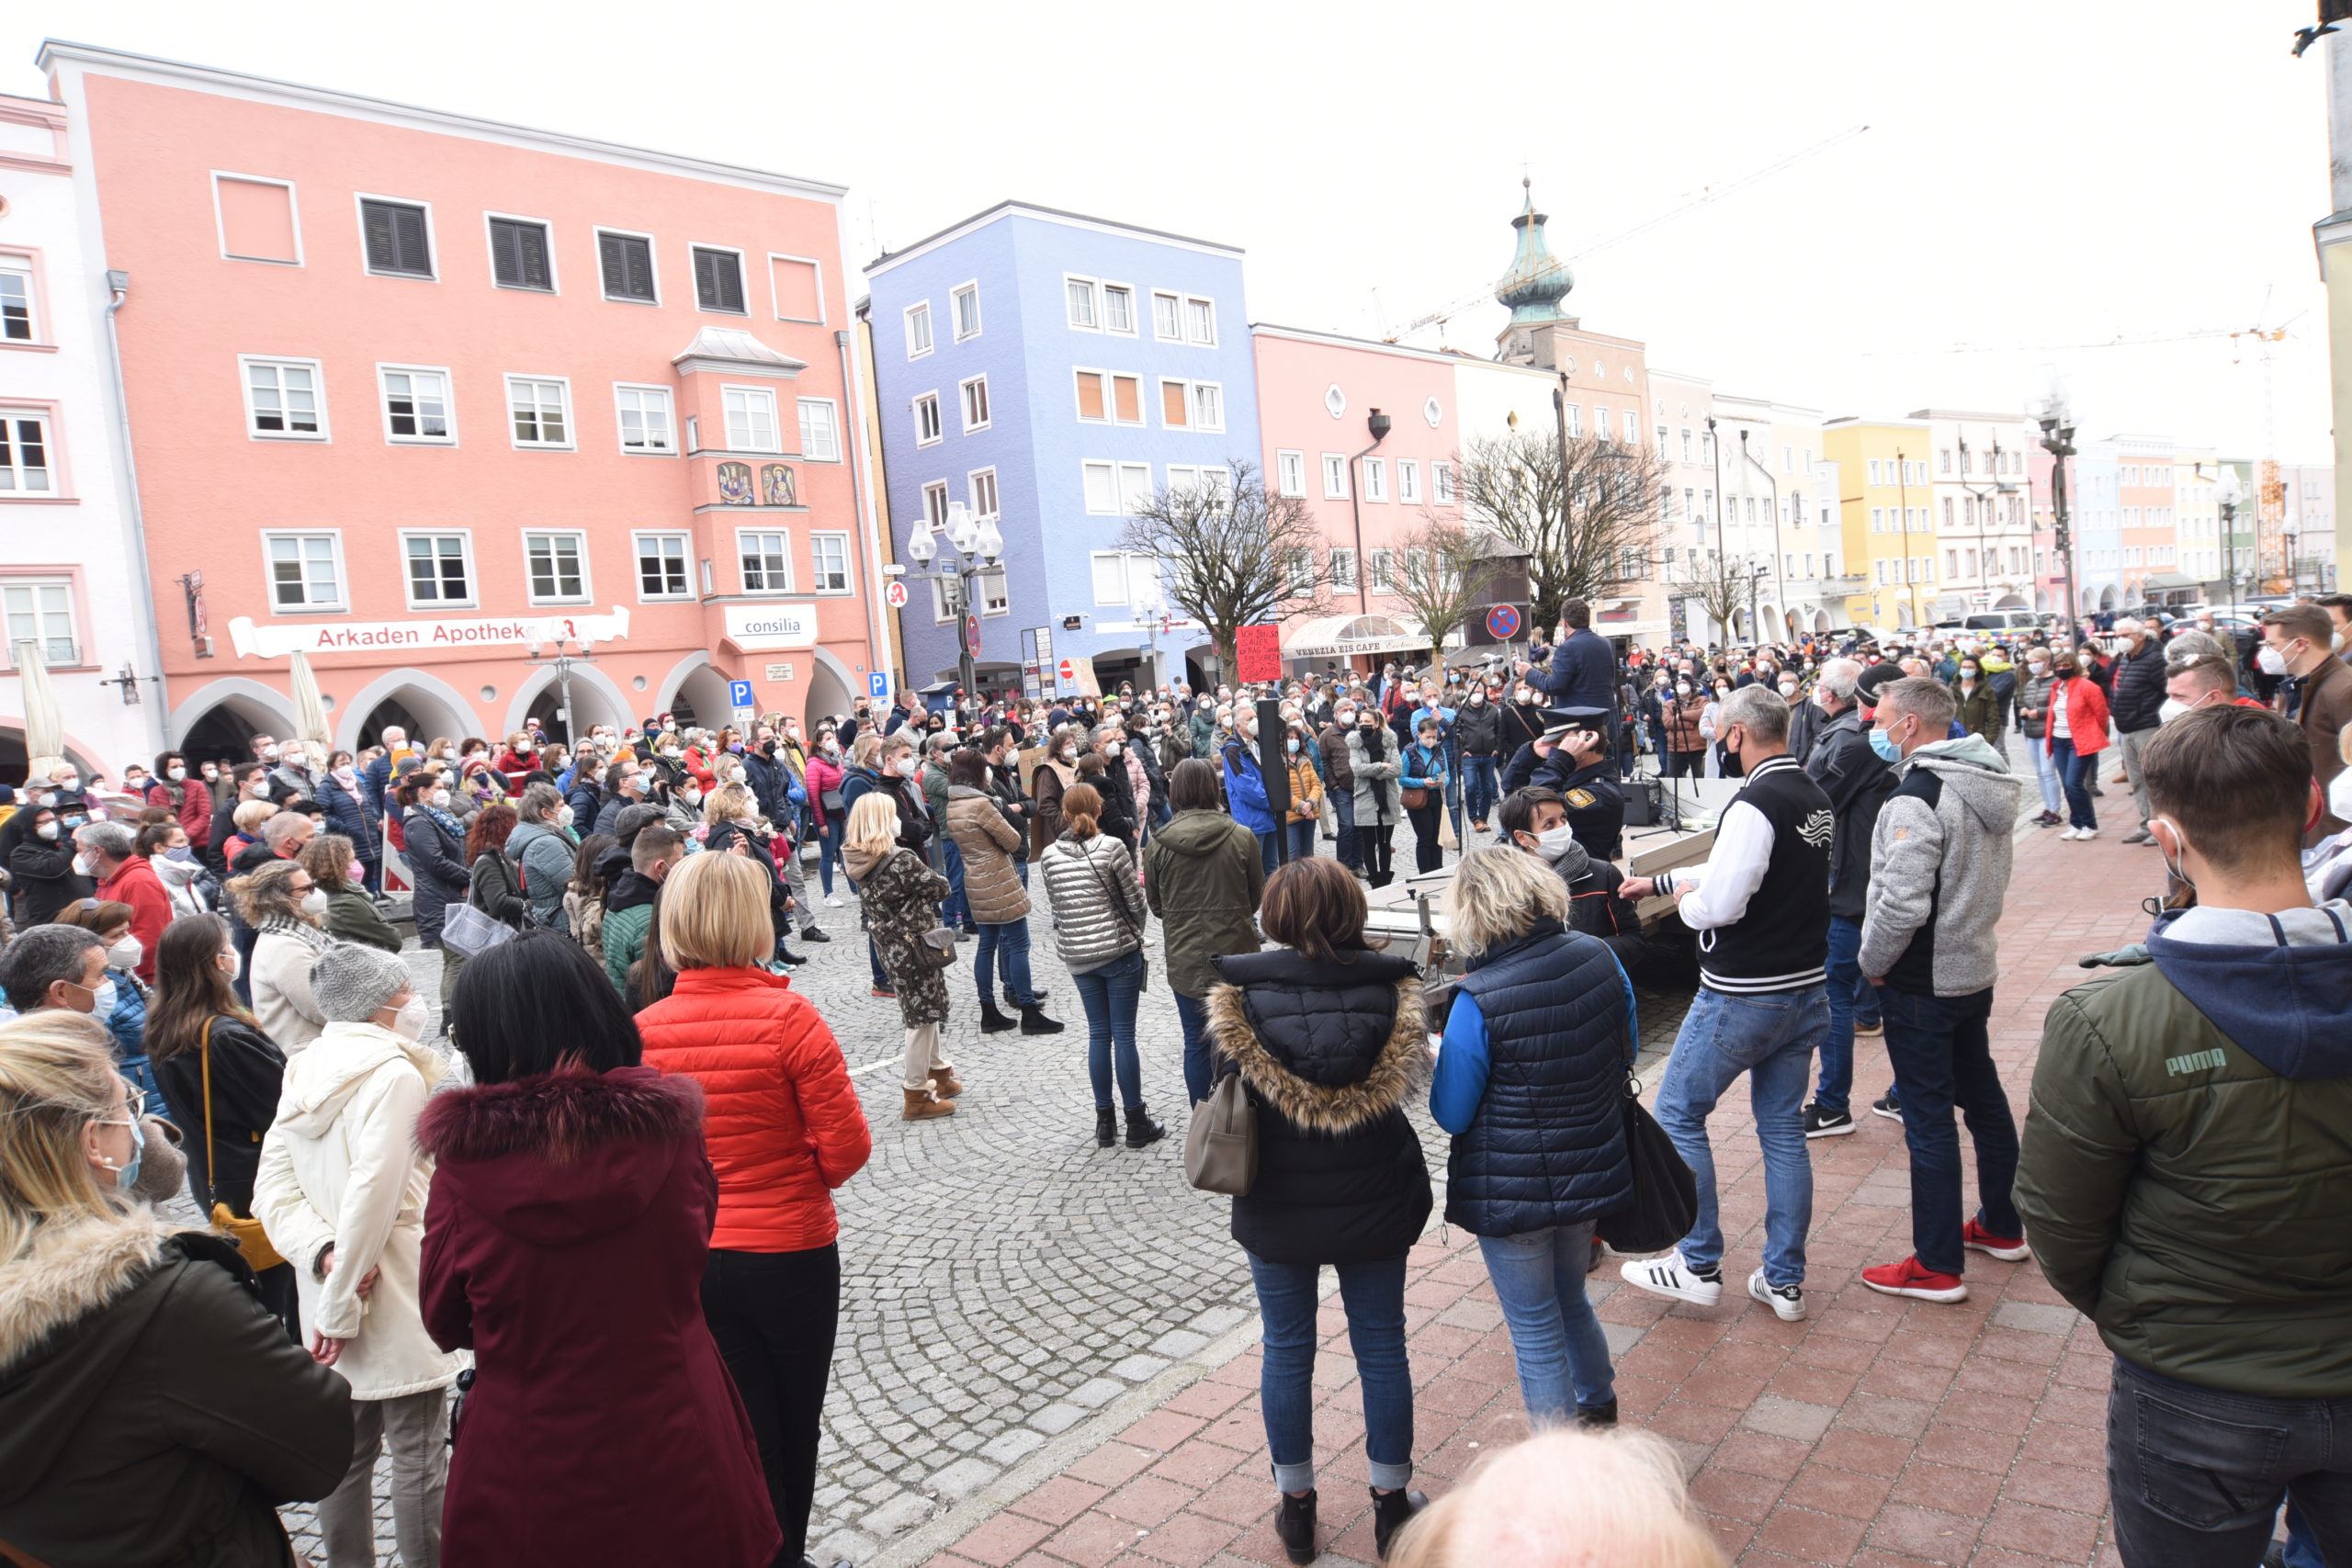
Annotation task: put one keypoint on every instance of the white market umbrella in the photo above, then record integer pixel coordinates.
(44, 724)
(309, 712)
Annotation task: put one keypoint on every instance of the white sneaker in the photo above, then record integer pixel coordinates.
(832, 900)
(2071, 834)
(2086, 833)
(1669, 1276)
(1787, 1302)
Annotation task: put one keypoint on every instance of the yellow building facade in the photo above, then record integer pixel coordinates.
(1885, 510)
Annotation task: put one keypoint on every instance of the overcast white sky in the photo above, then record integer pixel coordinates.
(2035, 175)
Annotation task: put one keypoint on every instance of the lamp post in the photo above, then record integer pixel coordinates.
(561, 660)
(1377, 426)
(1780, 579)
(2058, 440)
(2228, 492)
(977, 546)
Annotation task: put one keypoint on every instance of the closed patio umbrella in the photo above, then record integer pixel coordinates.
(309, 712)
(44, 722)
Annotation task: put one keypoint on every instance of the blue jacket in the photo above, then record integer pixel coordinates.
(347, 814)
(1425, 769)
(1245, 789)
(373, 782)
(1530, 1081)
(1582, 672)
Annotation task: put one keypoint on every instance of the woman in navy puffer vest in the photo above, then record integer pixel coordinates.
(1530, 1081)
(1328, 1039)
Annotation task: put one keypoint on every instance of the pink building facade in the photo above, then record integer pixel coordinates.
(433, 399)
(1320, 399)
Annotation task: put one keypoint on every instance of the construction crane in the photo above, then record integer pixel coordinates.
(1707, 195)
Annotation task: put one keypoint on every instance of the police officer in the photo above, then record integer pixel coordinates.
(1572, 757)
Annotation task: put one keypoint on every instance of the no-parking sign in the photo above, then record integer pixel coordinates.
(1502, 622)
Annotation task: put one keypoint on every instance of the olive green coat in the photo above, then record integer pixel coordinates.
(1201, 875)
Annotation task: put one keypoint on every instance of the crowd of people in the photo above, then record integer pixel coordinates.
(599, 1211)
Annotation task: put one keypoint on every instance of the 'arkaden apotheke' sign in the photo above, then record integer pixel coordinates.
(414, 635)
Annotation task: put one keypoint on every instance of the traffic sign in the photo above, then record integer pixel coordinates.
(877, 684)
(1502, 622)
(972, 635)
(1068, 672)
(739, 693)
(896, 596)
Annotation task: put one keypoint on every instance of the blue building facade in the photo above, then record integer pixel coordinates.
(1051, 371)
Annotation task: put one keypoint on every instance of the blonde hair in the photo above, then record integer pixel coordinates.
(723, 926)
(57, 1076)
(251, 814)
(873, 824)
(1566, 1499)
(727, 802)
(861, 749)
(1498, 894)
(262, 892)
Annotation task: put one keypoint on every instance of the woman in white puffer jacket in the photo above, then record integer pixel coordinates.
(342, 1191)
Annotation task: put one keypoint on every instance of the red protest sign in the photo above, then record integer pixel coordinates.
(1258, 651)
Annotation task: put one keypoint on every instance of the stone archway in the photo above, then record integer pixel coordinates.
(2107, 597)
(422, 703)
(594, 699)
(228, 713)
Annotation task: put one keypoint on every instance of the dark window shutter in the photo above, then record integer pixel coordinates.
(395, 238)
(706, 279)
(518, 253)
(629, 267)
(718, 280)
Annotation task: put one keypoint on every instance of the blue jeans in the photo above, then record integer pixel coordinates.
(1771, 1039)
(956, 911)
(1852, 999)
(1193, 1014)
(1269, 855)
(1374, 1297)
(1942, 1057)
(1302, 839)
(1478, 786)
(1109, 995)
(1008, 946)
(2045, 773)
(2196, 1474)
(1562, 1355)
(829, 850)
(2075, 771)
(1343, 811)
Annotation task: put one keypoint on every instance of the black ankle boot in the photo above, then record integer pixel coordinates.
(1034, 1021)
(1294, 1526)
(1597, 1415)
(1141, 1128)
(993, 1021)
(1107, 1127)
(1390, 1510)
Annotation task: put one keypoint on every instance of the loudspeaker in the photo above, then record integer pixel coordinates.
(1641, 803)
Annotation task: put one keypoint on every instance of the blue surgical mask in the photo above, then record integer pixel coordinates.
(126, 1175)
(1884, 744)
(102, 1000)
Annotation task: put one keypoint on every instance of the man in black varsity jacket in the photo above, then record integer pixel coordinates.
(1761, 905)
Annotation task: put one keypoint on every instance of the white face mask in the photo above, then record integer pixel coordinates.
(82, 865)
(69, 783)
(126, 954)
(691, 796)
(563, 816)
(2270, 660)
(1553, 843)
(176, 775)
(2339, 796)
(440, 797)
(314, 902)
(1112, 747)
(2171, 710)
(909, 767)
(232, 963)
(409, 1021)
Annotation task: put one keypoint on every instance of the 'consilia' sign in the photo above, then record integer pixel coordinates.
(403, 637)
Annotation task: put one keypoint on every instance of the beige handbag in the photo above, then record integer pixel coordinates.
(1221, 1145)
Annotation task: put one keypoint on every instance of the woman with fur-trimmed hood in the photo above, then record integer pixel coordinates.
(1328, 1039)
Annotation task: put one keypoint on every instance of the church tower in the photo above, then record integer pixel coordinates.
(1534, 287)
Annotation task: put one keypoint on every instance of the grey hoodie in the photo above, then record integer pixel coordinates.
(1939, 870)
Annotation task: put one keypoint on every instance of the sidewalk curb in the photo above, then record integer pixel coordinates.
(925, 1542)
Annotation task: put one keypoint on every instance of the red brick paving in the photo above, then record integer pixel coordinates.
(1879, 1433)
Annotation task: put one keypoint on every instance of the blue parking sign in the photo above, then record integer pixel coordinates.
(739, 693)
(877, 684)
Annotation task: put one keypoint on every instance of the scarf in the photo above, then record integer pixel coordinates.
(446, 823)
(302, 931)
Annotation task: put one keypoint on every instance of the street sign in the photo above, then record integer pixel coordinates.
(877, 684)
(1502, 622)
(972, 635)
(1068, 673)
(896, 596)
(739, 695)
(743, 719)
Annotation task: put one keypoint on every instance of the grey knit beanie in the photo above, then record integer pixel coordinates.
(350, 981)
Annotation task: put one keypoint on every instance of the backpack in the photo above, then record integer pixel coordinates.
(586, 914)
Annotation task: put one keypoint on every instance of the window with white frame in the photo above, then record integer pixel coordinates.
(1079, 292)
(1375, 478)
(1135, 487)
(1200, 322)
(1600, 421)
(626, 262)
(1100, 483)
(661, 567)
(1176, 404)
(927, 427)
(947, 598)
(1184, 476)
(305, 570)
(1122, 579)
(1575, 412)
(17, 299)
(1335, 476)
(919, 330)
(24, 454)
(1168, 318)
(1343, 568)
(40, 611)
(518, 255)
(996, 593)
(1299, 567)
(828, 563)
(975, 394)
(1208, 406)
(1384, 572)
(1290, 473)
(1441, 484)
(821, 430)
(540, 410)
(417, 405)
(1105, 398)
(718, 280)
(767, 560)
(981, 485)
(750, 419)
(440, 569)
(645, 422)
(964, 306)
(557, 566)
(1408, 481)
(1118, 308)
(397, 238)
(284, 399)
(934, 504)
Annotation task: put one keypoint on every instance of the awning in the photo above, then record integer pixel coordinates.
(2169, 580)
(1345, 636)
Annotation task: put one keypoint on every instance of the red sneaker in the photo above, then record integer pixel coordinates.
(1907, 1278)
(2008, 1248)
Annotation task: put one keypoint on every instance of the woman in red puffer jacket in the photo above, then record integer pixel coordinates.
(2075, 735)
(784, 1130)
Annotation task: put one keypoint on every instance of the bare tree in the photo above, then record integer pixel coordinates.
(1585, 513)
(1231, 552)
(1439, 575)
(1724, 587)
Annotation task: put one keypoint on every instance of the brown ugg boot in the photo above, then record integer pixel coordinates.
(923, 1105)
(945, 1083)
